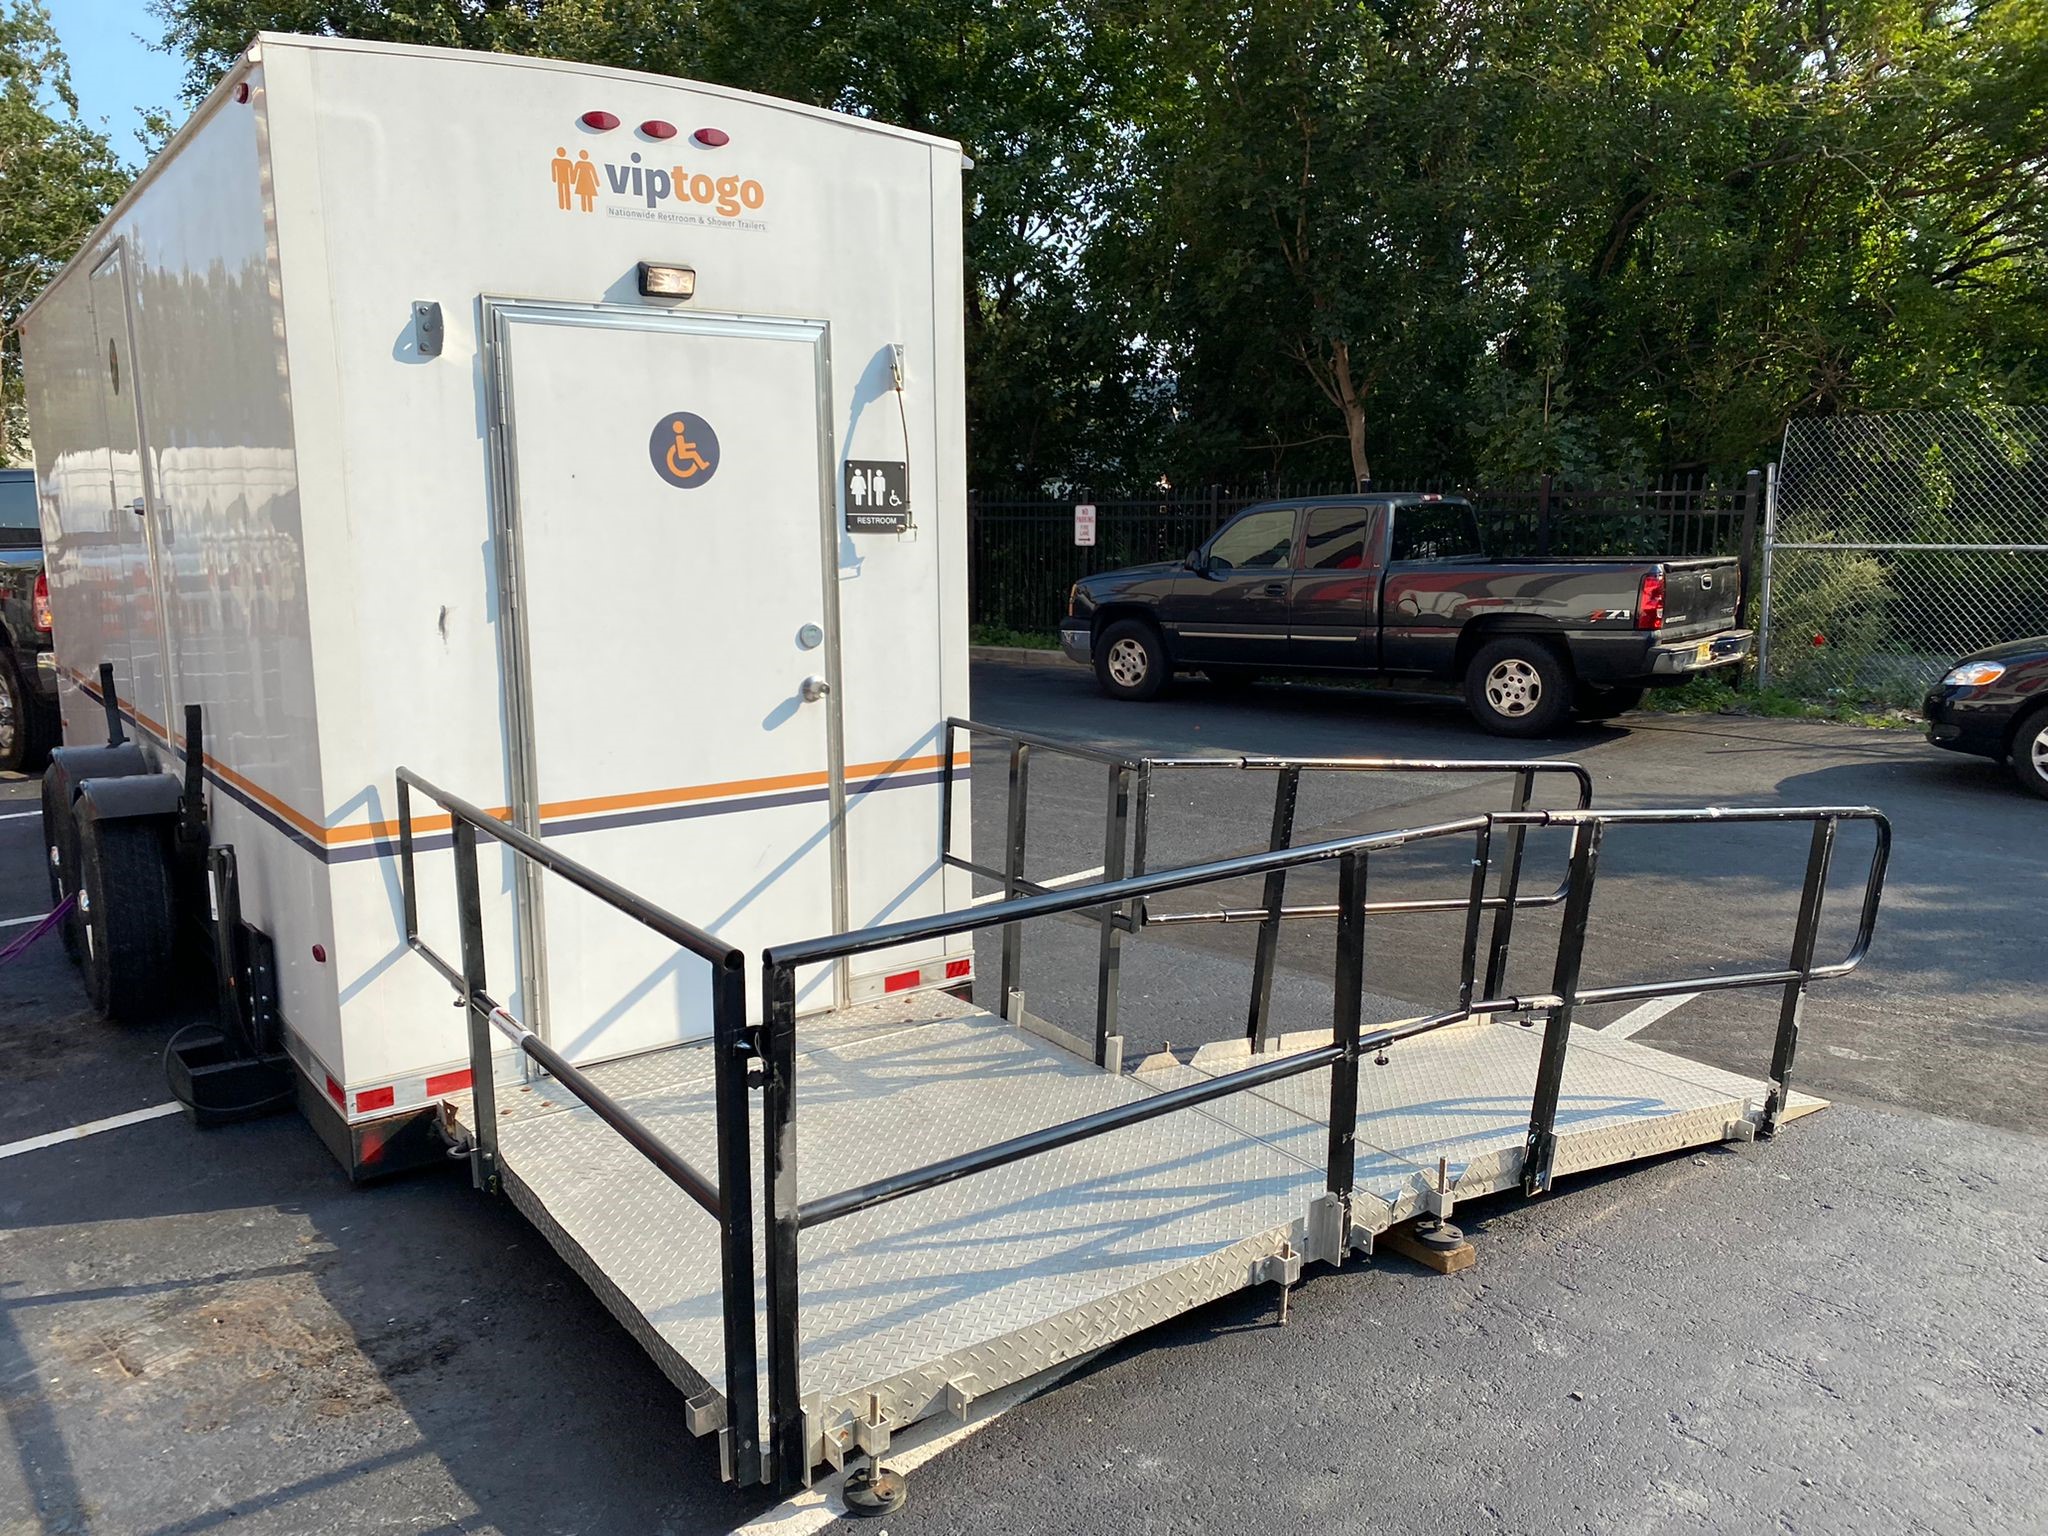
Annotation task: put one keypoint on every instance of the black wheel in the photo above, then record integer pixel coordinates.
(60, 855)
(1591, 703)
(2030, 753)
(124, 898)
(1231, 679)
(24, 733)
(1518, 686)
(1130, 660)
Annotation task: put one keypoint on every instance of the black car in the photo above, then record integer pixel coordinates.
(1995, 704)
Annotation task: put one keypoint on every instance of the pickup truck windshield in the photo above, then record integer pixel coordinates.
(1434, 531)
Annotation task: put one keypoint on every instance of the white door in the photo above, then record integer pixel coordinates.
(145, 678)
(668, 503)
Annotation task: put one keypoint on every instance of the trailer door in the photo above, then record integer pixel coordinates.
(133, 578)
(668, 491)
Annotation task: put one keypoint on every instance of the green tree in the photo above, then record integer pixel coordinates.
(58, 177)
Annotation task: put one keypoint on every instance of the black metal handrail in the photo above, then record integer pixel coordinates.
(1126, 833)
(730, 1054)
(791, 1216)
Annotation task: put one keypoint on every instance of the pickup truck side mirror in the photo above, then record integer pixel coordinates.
(1197, 562)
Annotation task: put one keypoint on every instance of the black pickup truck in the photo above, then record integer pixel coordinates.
(1400, 585)
(28, 674)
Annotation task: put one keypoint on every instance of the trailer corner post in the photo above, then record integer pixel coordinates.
(1350, 1002)
(1286, 795)
(1510, 886)
(1109, 948)
(1540, 1150)
(733, 1054)
(789, 1439)
(1819, 854)
(483, 1151)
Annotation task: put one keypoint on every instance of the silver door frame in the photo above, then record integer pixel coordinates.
(498, 316)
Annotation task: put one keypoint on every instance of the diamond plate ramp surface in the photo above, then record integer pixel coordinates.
(1462, 1094)
(971, 1285)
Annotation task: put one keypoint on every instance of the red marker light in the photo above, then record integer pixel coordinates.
(319, 954)
(242, 92)
(655, 128)
(712, 138)
(603, 122)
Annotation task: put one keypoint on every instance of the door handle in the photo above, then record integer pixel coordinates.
(1273, 589)
(814, 689)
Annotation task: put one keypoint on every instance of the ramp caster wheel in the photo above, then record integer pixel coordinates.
(871, 1491)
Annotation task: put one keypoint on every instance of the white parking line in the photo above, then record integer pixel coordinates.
(18, 815)
(816, 1508)
(19, 922)
(90, 1128)
(1078, 877)
(1638, 1019)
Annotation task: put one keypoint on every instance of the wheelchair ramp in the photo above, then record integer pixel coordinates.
(1459, 1097)
(932, 1300)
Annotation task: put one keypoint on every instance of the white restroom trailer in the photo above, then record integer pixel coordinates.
(589, 442)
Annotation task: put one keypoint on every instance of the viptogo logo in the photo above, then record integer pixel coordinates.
(651, 191)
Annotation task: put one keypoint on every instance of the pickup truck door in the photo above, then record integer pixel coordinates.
(1335, 619)
(1435, 581)
(1232, 609)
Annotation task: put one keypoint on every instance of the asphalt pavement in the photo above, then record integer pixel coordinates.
(1834, 1331)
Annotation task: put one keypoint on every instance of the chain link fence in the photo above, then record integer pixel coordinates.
(1898, 542)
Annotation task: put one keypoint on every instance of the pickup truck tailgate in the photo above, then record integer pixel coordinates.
(1700, 595)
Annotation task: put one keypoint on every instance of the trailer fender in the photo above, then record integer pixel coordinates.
(72, 766)
(129, 798)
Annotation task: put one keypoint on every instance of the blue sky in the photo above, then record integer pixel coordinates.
(114, 72)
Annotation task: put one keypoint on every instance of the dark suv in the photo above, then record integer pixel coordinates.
(28, 668)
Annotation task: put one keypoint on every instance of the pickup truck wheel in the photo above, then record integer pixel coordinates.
(1518, 687)
(1591, 703)
(124, 899)
(21, 730)
(2030, 754)
(1130, 661)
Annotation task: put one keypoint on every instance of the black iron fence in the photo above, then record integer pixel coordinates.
(1022, 557)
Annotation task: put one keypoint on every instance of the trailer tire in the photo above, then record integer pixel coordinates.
(1130, 661)
(1518, 686)
(60, 855)
(124, 877)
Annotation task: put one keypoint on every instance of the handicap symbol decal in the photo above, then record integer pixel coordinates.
(684, 449)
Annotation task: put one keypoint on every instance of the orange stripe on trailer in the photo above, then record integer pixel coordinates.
(373, 831)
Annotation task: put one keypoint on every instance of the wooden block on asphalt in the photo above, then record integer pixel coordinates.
(1445, 1261)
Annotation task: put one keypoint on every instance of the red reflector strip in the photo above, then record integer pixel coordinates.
(447, 1082)
(958, 968)
(334, 1092)
(902, 981)
(373, 1098)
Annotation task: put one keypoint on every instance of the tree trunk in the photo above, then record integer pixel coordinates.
(1352, 403)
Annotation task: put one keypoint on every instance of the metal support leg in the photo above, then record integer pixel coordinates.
(1818, 855)
(1013, 871)
(1350, 1003)
(788, 1439)
(1539, 1152)
(1286, 794)
(483, 1150)
(1482, 852)
(1109, 948)
(1510, 889)
(733, 1057)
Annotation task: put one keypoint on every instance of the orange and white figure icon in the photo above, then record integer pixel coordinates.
(684, 449)
(574, 179)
